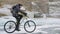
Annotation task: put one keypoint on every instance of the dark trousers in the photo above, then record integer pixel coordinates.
(18, 19)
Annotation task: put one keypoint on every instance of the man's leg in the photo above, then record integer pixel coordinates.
(18, 22)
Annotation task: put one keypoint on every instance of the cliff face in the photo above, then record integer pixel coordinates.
(54, 8)
(2, 14)
(27, 3)
(56, 0)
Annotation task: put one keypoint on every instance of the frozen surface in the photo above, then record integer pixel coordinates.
(44, 25)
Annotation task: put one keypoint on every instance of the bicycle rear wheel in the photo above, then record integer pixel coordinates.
(10, 26)
(29, 26)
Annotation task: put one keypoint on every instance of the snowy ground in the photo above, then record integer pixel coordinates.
(44, 26)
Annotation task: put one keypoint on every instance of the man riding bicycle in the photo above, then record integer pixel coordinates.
(15, 10)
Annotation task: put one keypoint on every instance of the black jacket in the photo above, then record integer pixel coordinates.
(16, 9)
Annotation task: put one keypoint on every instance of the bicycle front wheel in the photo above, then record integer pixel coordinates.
(29, 26)
(10, 26)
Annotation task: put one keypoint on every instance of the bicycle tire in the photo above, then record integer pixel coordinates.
(7, 23)
(34, 27)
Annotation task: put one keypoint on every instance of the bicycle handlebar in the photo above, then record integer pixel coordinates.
(23, 15)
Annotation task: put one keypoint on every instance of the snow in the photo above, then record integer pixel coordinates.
(33, 3)
(44, 25)
(54, 8)
(5, 10)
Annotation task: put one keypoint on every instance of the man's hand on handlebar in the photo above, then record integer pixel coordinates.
(22, 13)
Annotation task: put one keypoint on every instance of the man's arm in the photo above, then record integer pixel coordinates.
(23, 13)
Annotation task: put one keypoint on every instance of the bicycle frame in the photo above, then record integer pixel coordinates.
(24, 19)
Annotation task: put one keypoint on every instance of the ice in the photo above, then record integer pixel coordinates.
(5, 11)
(44, 25)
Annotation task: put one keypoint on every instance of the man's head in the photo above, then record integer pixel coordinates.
(22, 7)
(20, 4)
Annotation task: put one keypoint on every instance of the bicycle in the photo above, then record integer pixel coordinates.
(10, 26)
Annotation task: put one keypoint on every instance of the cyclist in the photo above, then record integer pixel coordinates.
(15, 10)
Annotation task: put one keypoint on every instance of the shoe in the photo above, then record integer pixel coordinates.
(17, 29)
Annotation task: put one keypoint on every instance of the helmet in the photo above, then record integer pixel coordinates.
(20, 4)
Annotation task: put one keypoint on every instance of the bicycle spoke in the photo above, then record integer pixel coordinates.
(9, 26)
(29, 26)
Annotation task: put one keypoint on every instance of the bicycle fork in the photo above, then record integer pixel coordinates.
(28, 24)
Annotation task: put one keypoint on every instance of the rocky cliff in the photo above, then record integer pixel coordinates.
(54, 8)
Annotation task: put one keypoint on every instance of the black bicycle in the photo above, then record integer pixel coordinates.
(29, 26)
